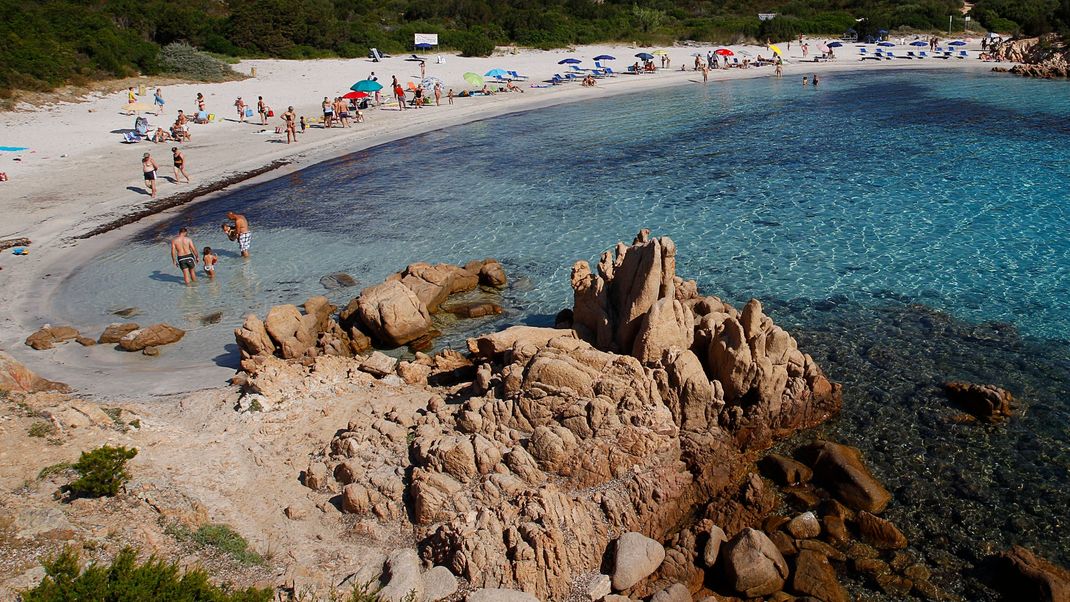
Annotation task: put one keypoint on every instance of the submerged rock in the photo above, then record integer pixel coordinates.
(814, 576)
(987, 402)
(840, 470)
(1023, 575)
(337, 280)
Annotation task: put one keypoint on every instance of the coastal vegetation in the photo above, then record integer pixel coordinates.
(76, 42)
(102, 472)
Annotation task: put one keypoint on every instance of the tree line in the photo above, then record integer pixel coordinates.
(46, 43)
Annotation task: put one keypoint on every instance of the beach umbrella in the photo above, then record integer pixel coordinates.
(366, 85)
(823, 48)
(422, 46)
(661, 52)
(430, 82)
(473, 78)
(605, 57)
(646, 56)
(919, 43)
(569, 61)
(496, 73)
(355, 95)
(775, 49)
(138, 107)
(885, 44)
(724, 52)
(956, 43)
(835, 45)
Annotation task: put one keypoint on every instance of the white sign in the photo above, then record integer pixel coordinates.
(766, 16)
(426, 38)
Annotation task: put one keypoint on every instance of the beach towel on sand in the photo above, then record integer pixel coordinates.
(12, 149)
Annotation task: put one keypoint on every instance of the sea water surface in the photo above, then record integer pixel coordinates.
(908, 227)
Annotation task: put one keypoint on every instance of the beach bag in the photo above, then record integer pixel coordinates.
(248, 112)
(270, 113)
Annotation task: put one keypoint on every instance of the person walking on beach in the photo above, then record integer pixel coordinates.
(399, 94)
(328, 112)
(240, 105)
(378, 97)
(449, 96)
(423, 70)
(262, 108)
(180, 164)
(148, 168)
(157, 99)
(200, 103)
(438, 94)
(239, 231)
(705, 74)
(184, 256)
(291, 124)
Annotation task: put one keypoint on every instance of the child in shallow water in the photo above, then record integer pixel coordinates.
(210, 259)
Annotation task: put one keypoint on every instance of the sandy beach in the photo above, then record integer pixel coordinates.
(77, 175)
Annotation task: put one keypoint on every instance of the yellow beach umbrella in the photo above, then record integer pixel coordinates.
(660, 52)
(137, 107)
(775, 49)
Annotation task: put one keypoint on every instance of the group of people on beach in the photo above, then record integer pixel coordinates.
(184, 253)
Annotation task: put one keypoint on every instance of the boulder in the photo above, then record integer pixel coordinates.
(477, 309)
(156, 335)
(115, 331)
(667, 324)
(439, 584)
(880, 533)
(491, 273)
(599, 587)
(378, 364)
(337, 280)
(48, 336)
(494, 594)
(753, 564)
(636, 557)
(18, 378)
(1022, 575)
(85, 341)
(987, 402)
(252, 337)
(712, 549)
(804, 526)
(432, 284)
(392, 313)
(677, 592)
(403, 568)
(290, 331)
(814, 576)
(492, 346)
(840, 470)
(785, 470)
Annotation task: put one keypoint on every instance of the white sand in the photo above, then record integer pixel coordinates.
(77, 175)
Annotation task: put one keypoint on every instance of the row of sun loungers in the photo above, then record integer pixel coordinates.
(888, 55)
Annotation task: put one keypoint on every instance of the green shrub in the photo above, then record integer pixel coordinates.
(127, 579)
(476, 44)
(103, 472)
(220, 538)
(54, 469)
(186, 61)
(42, 429)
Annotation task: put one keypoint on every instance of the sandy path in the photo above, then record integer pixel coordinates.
(79, 176)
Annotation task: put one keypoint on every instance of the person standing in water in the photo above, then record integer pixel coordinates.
(184, 256)
(148, 169)
(241, 231)
(815, 80)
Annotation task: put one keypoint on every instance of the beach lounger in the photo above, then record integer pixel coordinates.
(962, 54)
(517, 76)
(578, 69)
(376, 56)
(609, 72)
(911, 55)
(131, 137)
(922, 55)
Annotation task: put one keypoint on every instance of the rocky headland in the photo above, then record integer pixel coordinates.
(1046, 56)
(622, 455)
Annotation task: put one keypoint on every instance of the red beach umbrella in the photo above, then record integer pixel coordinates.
(723, 52)
(355, 95)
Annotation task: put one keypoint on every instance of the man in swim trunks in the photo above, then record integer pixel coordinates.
(241, 230)
(184, 255)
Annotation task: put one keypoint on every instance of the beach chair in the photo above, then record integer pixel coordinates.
(571, 77)
(911, 55)
(517, 77)
(889, 55)
(131, 137)
(735, 62)
(962, 54)
(577, 69)
(862, 54)
(609, 72)
(375, 55)
(556, 80)
(922, 55)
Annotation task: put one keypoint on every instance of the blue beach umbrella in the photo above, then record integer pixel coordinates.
(569, 61)
(366, 85)
(496, 73)
(886, 44)
(605, 57)
(919, 43)
(646, 56)
(956, 43)
(835, 45)
(422, 46)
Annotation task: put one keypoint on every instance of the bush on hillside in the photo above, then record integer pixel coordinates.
(103, 472)
(127, 579)
(186, 61)
(476, 44)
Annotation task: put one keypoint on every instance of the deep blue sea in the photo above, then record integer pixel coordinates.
(907, 227)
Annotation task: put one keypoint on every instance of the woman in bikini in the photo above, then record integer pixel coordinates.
(148, 168)
(180, 164)
(328, 112)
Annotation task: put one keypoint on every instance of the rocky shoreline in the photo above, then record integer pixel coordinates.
(1045, 57)
(622, 455)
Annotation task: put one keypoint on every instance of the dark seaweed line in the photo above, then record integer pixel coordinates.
(181, 199)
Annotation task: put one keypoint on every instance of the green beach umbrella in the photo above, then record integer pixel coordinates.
(366, 85)
(473, 78)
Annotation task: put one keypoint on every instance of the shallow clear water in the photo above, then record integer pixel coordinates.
(911, 227)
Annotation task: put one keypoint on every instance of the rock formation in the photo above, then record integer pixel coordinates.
(987, 402)
(1045, 57)
(151, 336)
(15, 377)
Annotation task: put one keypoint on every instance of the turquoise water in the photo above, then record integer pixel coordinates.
(908, 227)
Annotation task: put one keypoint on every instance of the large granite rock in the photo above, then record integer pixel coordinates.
(492, 346)
(1022, 575)
(840, 470)
(15, 377)
(156, 335)
(814, 576)
(253, 338)
(49, 336)
(113, 332)
(636, 557)
(753, 565)
(392, 313)
(987, 402)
